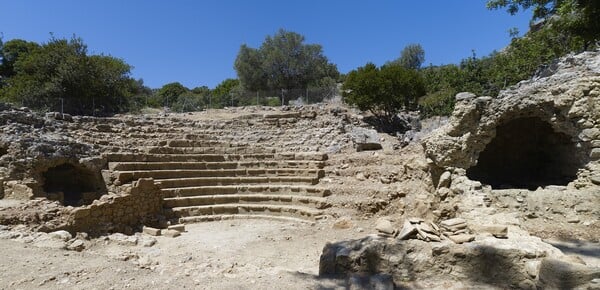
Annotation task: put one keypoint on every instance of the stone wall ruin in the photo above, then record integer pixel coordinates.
(543, 131)
(527, 153)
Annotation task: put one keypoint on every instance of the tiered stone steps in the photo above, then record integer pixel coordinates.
(204, 180)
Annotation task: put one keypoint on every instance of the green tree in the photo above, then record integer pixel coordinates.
(248, 65)
(169, 93)
(412, 56)
(59, 75)
(580, 18)
(10, 52)
(442, 83)
(283, 61)
(383, 91)
(226, 94)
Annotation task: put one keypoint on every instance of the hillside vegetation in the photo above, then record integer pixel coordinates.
(60, 75)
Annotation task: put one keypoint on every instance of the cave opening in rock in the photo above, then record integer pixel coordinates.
(72, 185)
(527, 153)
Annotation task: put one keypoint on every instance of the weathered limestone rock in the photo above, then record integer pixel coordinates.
(532, 268)
(462, 238)
(123, 240)
(171, 233)
(454, 226)
(16, 190)
(179, 227)
(344, 222)
(384, 226)
(595, 179)
(595, 154)
(503, 263)
(465, 96)
(77, 245)
(365, 139)
(416, 228)
(561, 274)
(61, 235)
(445, 179)
(408, 230)
(497, 231)
(565, 101)
(151, 231)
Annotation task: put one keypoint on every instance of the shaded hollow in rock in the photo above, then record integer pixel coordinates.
(527, 153)
(72, 185)
(3, 150)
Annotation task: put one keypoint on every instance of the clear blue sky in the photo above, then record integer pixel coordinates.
(196, 42)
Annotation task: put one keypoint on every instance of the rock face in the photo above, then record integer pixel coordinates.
(559, 274)
(510, 264)
(541, 131)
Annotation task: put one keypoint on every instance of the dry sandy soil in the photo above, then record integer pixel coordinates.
(242, 254)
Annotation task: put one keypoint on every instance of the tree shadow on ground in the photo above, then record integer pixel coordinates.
(395, 126)
(577, 247)
(325, 282)
(366, 261)
(493, 266)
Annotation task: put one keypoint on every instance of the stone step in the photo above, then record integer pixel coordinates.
(266, 164)
(127, 176)
(210, 150)
(246, 189)
(245, 209)
(137, 157)
(207, 181)
(316, 202)
(223, 217)
(202, 143)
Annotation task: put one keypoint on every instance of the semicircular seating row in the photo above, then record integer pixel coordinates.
(202, 179)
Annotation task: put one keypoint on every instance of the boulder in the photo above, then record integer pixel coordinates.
(561, 274)
(445, 179)
(77, 245)
(384, 226)
(61, 235)
(464, 96)
(365, 139)
(344, 222)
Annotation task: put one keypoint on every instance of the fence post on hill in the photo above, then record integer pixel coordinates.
(306, 101)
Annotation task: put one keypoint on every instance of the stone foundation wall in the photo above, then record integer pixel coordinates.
(120, 212)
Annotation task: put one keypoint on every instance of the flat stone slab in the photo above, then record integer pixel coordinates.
(179, 228)
(171, 233)
(462, 238)
(151, 231)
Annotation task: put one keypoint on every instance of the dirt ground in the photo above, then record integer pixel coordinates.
(238, 254)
